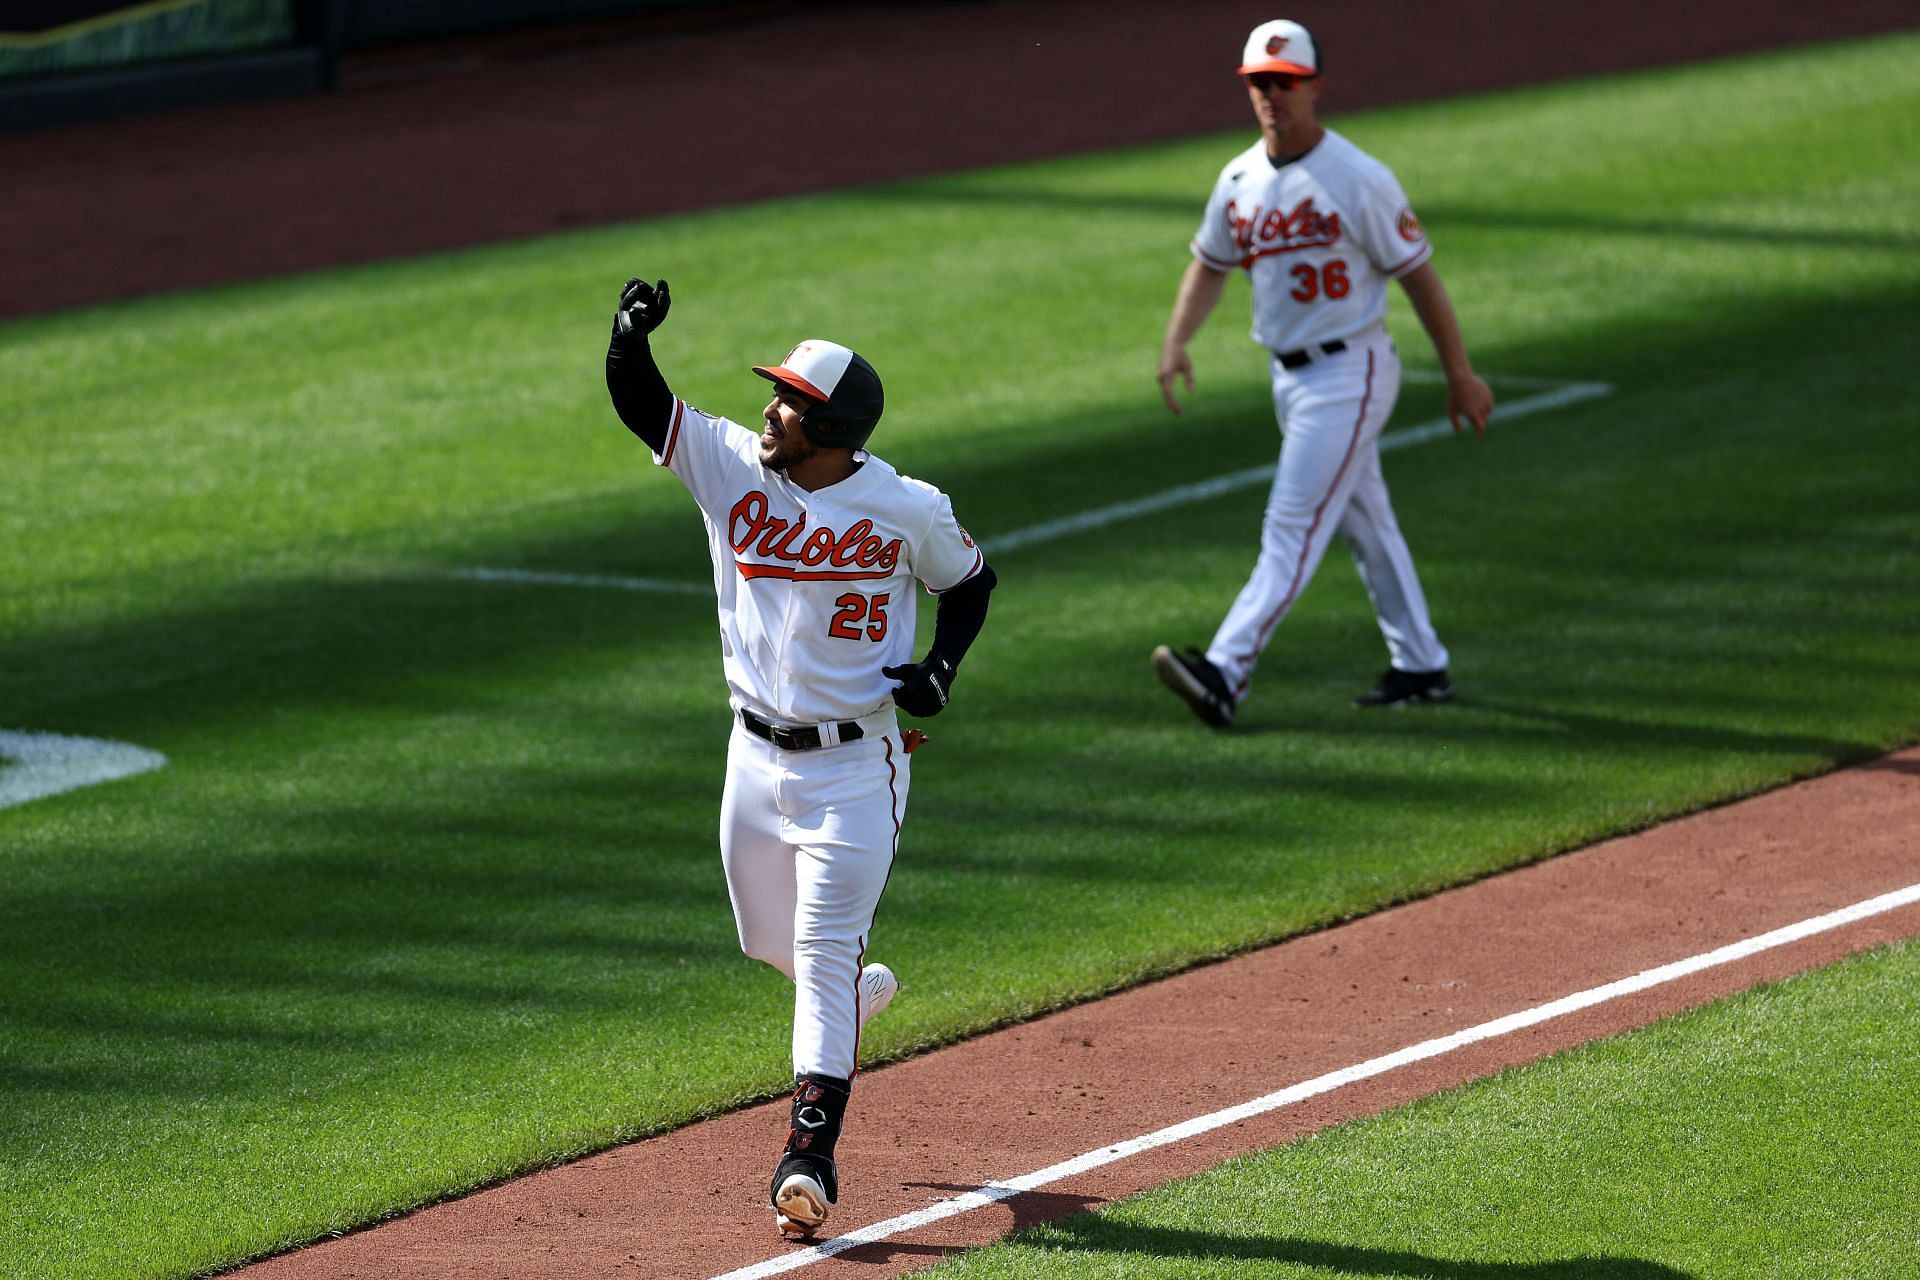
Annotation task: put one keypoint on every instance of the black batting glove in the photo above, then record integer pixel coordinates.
(924, 686)
(642, 307)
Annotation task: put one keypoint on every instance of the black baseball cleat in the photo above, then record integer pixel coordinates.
(805, 1181)
(1198, 681)
(1399, 688)
(804, 1186)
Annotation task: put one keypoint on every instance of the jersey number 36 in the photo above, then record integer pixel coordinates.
(854, 609)
(1329, 280)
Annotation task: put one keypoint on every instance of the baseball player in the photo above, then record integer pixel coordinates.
(816, 547)
(1319, 227)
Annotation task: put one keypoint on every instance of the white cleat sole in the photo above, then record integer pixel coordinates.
(800, 1205)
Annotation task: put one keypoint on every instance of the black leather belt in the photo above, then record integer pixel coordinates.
(804, 737)
(1304, 356)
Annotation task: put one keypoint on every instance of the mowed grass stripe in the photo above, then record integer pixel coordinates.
(427, 894)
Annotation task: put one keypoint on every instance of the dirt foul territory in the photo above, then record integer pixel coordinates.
(436, 148)
(693, 1204)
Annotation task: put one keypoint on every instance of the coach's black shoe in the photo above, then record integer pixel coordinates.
(1397, 688)
(1198, 681)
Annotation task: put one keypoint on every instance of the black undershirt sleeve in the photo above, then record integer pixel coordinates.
(640, 394)
(961, 613)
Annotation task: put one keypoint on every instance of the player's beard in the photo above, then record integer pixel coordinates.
(790, 450)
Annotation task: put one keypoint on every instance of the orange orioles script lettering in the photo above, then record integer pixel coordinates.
(801, 553)
(1265, 231)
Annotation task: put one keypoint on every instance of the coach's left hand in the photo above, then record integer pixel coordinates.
(1469, 397)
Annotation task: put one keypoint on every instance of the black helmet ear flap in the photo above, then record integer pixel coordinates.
(845, 391)
(847, 417)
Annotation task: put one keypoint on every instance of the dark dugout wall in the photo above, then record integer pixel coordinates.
(63, 61)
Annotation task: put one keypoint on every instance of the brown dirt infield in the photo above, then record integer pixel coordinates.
(692, 1203)
(433, 148)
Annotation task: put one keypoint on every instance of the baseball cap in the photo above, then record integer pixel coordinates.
(814, 368)
(1281, 46)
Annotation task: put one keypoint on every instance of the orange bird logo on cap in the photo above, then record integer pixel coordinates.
(1275, 44)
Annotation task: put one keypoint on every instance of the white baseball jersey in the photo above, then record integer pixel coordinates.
(1318, 237)
(815, 588)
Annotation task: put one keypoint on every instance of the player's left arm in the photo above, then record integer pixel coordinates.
(639, 392)
(1468, 395)
(926, 686)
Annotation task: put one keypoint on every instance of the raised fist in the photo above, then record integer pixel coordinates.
(642, 307)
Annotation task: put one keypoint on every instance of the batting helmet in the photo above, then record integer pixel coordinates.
(844, 388)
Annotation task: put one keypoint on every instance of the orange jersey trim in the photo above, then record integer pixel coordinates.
(756, 570)
(1251, 258)
(1209, 260)
(1426, 251)
(673, 433)
(979, 559)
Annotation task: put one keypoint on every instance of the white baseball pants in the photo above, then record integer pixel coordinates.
(1329, 480)
(808, 839)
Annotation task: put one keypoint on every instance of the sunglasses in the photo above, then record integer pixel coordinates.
(1265, 80)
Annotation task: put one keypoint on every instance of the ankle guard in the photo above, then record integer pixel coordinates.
(819, 1107)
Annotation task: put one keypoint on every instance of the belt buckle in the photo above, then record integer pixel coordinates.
(760, 728)
(797, 738)
(804, 739)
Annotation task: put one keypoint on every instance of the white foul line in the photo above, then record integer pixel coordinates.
(1006, 1188)
(46, 764)
(1561, 394)
(1200, 491)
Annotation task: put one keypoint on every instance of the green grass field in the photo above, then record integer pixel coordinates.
(1764, 1138)
(428, 894)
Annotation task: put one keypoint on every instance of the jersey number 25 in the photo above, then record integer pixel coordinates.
(855, 609)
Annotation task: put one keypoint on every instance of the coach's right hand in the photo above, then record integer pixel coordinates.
(642, 307)
(1174, 363)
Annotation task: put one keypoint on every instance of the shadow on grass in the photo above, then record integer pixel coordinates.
(373, 637)
(1438, 216)
(1094, 1235)
(1028, 1209)
(1631, 734)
